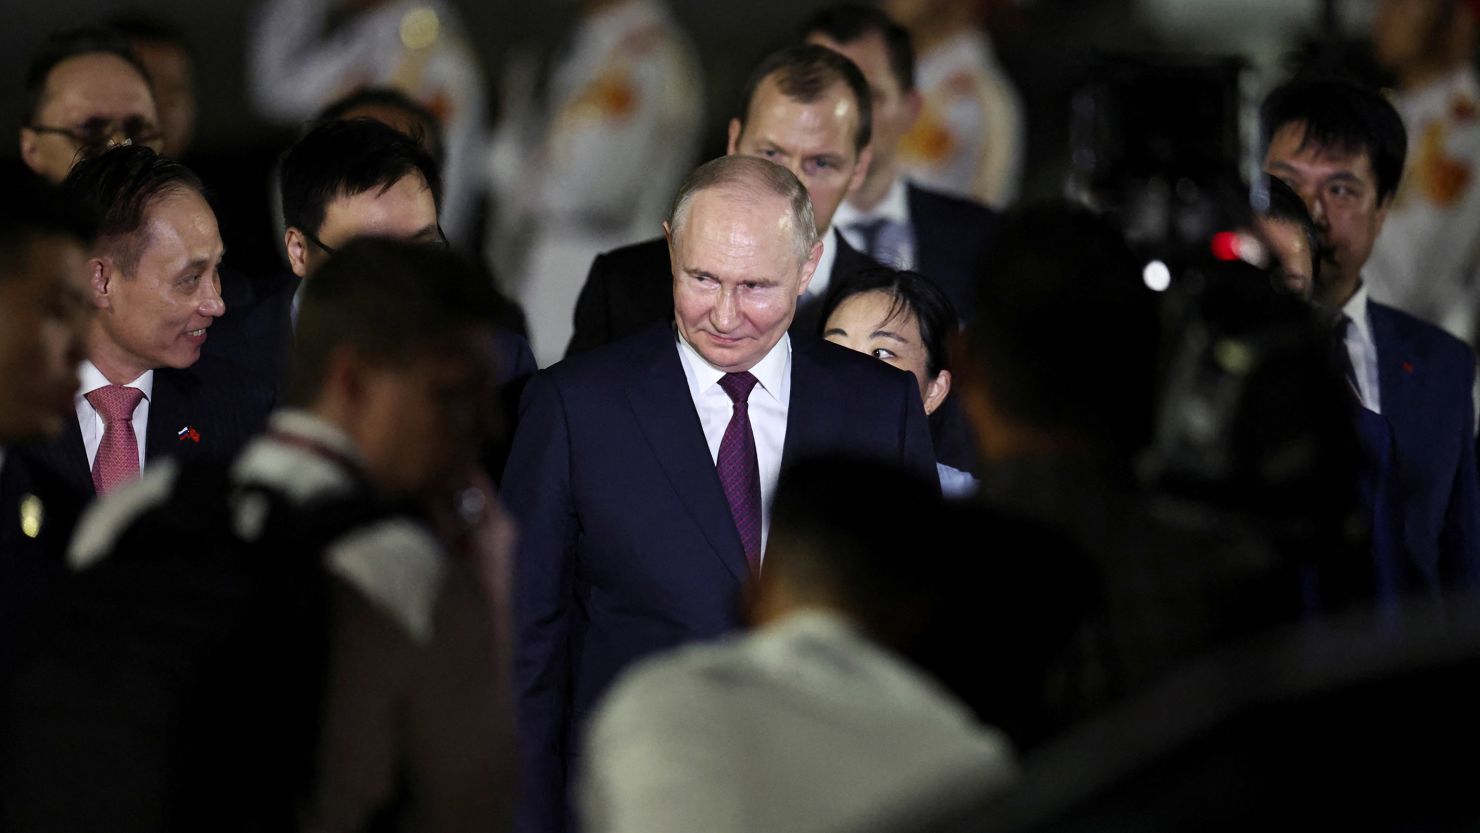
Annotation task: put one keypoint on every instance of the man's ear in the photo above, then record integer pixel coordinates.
(860, 171)
(809, 268)
(30, 153)
(101, 276)
(296, 245)
(936, 391)
(735, 129)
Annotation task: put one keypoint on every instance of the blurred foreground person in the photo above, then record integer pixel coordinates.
(813, 721)
(306, 53)
(44, 241)
(281, 645)
(1341, 148)
(86, 91)
(1427, 258)
(903, 319)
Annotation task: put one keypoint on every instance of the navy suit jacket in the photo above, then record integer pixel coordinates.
(951, 235)
(1425, 379)
(628, 546)
(256, 332)
(631, 288)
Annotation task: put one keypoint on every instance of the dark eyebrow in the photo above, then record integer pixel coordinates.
(195, 266)
(890, 335)
(835, 331)
(428, 231)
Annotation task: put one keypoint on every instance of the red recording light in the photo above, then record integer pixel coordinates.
(1226, 245)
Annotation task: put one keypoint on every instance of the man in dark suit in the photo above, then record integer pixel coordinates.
(146, 391)
(806, 108)
(641, 472)
(888, 218)
(1341, 147)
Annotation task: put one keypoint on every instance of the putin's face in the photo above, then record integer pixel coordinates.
(736, 274)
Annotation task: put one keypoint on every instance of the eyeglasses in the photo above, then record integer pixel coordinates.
(439, 243)
(100, 133)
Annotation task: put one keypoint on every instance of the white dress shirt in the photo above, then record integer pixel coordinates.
(91, 422)
(1363, 350)
(769, 402)
(894, 208)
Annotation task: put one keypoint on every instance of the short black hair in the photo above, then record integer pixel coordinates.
(912, 293)
(35, 208)
(848, 22)
(344, 158)
(828, 535)
(1065, 328)
(71, 43)
(429, 133)
(804, 73)
(138, 27)
(120, 185)
(388, 299)
(1340, 115)
(1279, 203)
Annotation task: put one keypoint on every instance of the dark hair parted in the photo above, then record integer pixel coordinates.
(1065, 330)
(343, 158)
(71, 43)
(120, 185)
(829, 537)
(35, 208)
(805, 73)
(849, 22)
(1341, 116)
(426, 128)
(387, 299)
(1279, 203)
(912, 294)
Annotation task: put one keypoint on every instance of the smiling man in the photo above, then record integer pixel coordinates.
(642, 471)
(1341, 148)
(806, 108)
(154, 287)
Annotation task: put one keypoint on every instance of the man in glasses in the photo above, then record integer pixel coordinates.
(86, 92)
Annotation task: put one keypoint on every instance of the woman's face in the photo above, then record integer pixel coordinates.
(863, 323)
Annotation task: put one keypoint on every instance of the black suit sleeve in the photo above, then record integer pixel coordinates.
(537, 487)
(593, 311)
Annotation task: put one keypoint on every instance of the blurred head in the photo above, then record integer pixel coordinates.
(831, 548)
(880, 48)
(393, 345)
(1291, 235)
(1341, 148)
(86, 91)
(393, 108)
(165, 53)
(356, 178)
(44, 241)
(155, 268)
(901, 318)
(808, 109)
(1063, 345)
(743, 247)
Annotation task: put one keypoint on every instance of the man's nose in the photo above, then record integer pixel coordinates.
(725, 312)
(211, 303)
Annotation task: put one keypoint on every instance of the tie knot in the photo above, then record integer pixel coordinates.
(115, 402)
(738, 386)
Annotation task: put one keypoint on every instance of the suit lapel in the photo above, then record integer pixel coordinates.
(66, 457)
(169, 411)
(665, 413)
(926, 246)
(808, 427)
(1397, 373)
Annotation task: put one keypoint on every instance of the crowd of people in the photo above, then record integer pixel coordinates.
(840, 505)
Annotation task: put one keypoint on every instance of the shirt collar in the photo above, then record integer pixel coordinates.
(92, 379)
(895, 207)
(770, 371)
(823, 274)
(1356, 309)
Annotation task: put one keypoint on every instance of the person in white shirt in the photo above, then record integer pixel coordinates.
(815, 720)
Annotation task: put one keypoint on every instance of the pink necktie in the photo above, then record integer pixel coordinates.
(739, 468)
(118, 454)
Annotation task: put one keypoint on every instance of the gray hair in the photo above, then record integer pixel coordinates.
(752, 173)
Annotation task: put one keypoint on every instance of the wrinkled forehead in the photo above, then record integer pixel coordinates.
(97, 85)
(833, 111)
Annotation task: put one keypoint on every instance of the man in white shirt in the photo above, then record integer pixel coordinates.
(640, 471)
(814, 721)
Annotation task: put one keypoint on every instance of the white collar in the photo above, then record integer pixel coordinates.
(1356, 309)
(822, 276)
(770, 371)
(92, 379)
(895, 207)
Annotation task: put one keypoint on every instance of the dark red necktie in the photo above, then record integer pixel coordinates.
(118, 453)
(739, 471)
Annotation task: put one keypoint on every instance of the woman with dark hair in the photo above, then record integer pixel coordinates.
(904, 319)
